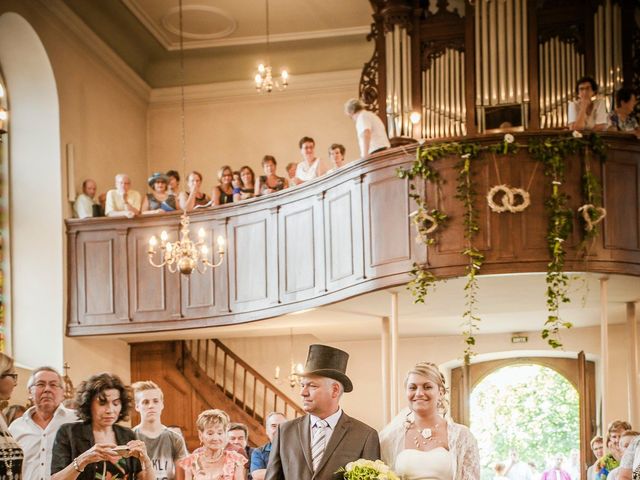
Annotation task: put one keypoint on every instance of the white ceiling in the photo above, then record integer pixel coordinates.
(507, 304)
(218, 23)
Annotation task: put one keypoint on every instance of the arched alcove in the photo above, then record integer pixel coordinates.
(35, 298)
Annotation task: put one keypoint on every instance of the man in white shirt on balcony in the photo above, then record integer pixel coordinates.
(122, 201)
(83, 206)
(36, 430)
(372, 136)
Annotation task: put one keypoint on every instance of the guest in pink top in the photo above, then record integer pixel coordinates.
(556, 473)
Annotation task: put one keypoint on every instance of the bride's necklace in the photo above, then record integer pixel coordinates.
(423, 436)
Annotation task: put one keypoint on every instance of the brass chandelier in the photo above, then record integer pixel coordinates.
(183, 255)
(265, 83)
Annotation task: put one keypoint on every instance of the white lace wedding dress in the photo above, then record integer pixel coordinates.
(460, 462)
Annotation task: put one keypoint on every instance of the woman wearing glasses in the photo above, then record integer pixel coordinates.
(11, 455)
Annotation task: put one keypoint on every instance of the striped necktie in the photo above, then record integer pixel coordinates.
(318, 442)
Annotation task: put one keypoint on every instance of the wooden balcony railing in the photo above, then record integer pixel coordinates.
(337, 237)
(241, 383)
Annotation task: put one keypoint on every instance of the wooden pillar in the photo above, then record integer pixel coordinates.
(632, 368)
(385, 353)
(393, 377)
(604, 351)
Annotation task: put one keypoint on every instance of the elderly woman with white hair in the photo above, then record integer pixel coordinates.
(372, 136)
(420, 443)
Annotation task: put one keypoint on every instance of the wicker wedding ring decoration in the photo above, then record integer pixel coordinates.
(513, 200)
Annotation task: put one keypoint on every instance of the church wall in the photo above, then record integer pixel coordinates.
(231, 124)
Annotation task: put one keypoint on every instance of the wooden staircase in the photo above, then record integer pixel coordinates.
(196, 375)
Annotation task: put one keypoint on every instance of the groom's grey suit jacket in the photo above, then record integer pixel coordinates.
(290, 457)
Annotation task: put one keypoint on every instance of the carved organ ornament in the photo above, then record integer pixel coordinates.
(493, 65)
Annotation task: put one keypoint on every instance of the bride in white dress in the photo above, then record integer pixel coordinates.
(419, 444)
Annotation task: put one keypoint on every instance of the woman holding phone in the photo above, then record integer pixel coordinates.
(96, 447)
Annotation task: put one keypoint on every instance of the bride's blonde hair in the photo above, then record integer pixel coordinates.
(432, 372)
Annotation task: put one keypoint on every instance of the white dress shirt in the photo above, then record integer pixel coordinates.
(332, 420)
(38, 443)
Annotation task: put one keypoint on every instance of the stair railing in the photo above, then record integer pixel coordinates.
(240, 382)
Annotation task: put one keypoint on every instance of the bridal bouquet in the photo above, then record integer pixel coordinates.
(367, 470)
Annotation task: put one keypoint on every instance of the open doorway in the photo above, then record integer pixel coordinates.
(526, 418)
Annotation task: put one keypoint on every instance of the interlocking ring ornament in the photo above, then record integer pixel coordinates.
(592, 215)
(514, 200)
(425, 223)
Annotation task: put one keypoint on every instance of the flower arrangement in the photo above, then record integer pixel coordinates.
(363, 469)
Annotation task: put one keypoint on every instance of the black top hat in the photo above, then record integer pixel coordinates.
(325, 361)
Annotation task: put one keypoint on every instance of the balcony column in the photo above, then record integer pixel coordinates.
(604, 351)
(632, 370)
(393, 377)
(385, 354)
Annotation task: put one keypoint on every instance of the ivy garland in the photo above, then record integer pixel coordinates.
(551, 152)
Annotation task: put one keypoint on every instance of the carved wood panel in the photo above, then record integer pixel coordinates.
(621, 198)
(154, 293)
(343, 234)
(101, 277)
(389, 240)
(253, 260)
(301, 250)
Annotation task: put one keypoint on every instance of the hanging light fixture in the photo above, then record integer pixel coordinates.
(265, 83)
(296, 368)
(183, 255)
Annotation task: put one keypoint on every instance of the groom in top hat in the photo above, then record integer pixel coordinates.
(316, 445)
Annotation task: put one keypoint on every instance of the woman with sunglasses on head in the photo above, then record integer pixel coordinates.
(11, 455)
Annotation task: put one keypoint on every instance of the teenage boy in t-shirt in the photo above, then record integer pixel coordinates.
(164, 446)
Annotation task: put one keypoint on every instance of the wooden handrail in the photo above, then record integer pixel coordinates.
(237, 392)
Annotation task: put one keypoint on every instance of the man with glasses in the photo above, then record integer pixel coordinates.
(36, 430)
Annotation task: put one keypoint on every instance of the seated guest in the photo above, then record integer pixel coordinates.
(223, 193)
(625, 440)
(85, 203)
(336, 155)
(260, 456)
(37, 428)
(238, 436)
(174, 182)
(270, 182)
(621, 119)
(194, 197)
(372, 136)
(160, 200)
(247, 184)
(311, 166)
(597, 447)
(10, 452)
(96, 446)
(164, 446)
(612, 457)
(211, 460)
(587, 112)
(122, 201)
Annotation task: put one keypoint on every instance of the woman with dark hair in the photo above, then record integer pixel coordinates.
(270, 182)
(96, 446)
(223, 193)
(621, 119)
(247, 184)
(587, 112)
(11, 455)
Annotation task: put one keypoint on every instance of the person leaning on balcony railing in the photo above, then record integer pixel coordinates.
(223, 192)
(194, 197)
(86, 205)
(311, 166)
(122, 201)
(621, 119)
(160, 200)
(587, 112)
(247, 184)
(173, 186)
(270, 182)
(372, 136)
(336, 156)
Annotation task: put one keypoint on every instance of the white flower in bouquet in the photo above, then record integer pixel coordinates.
(363, 469)
(508, 138)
